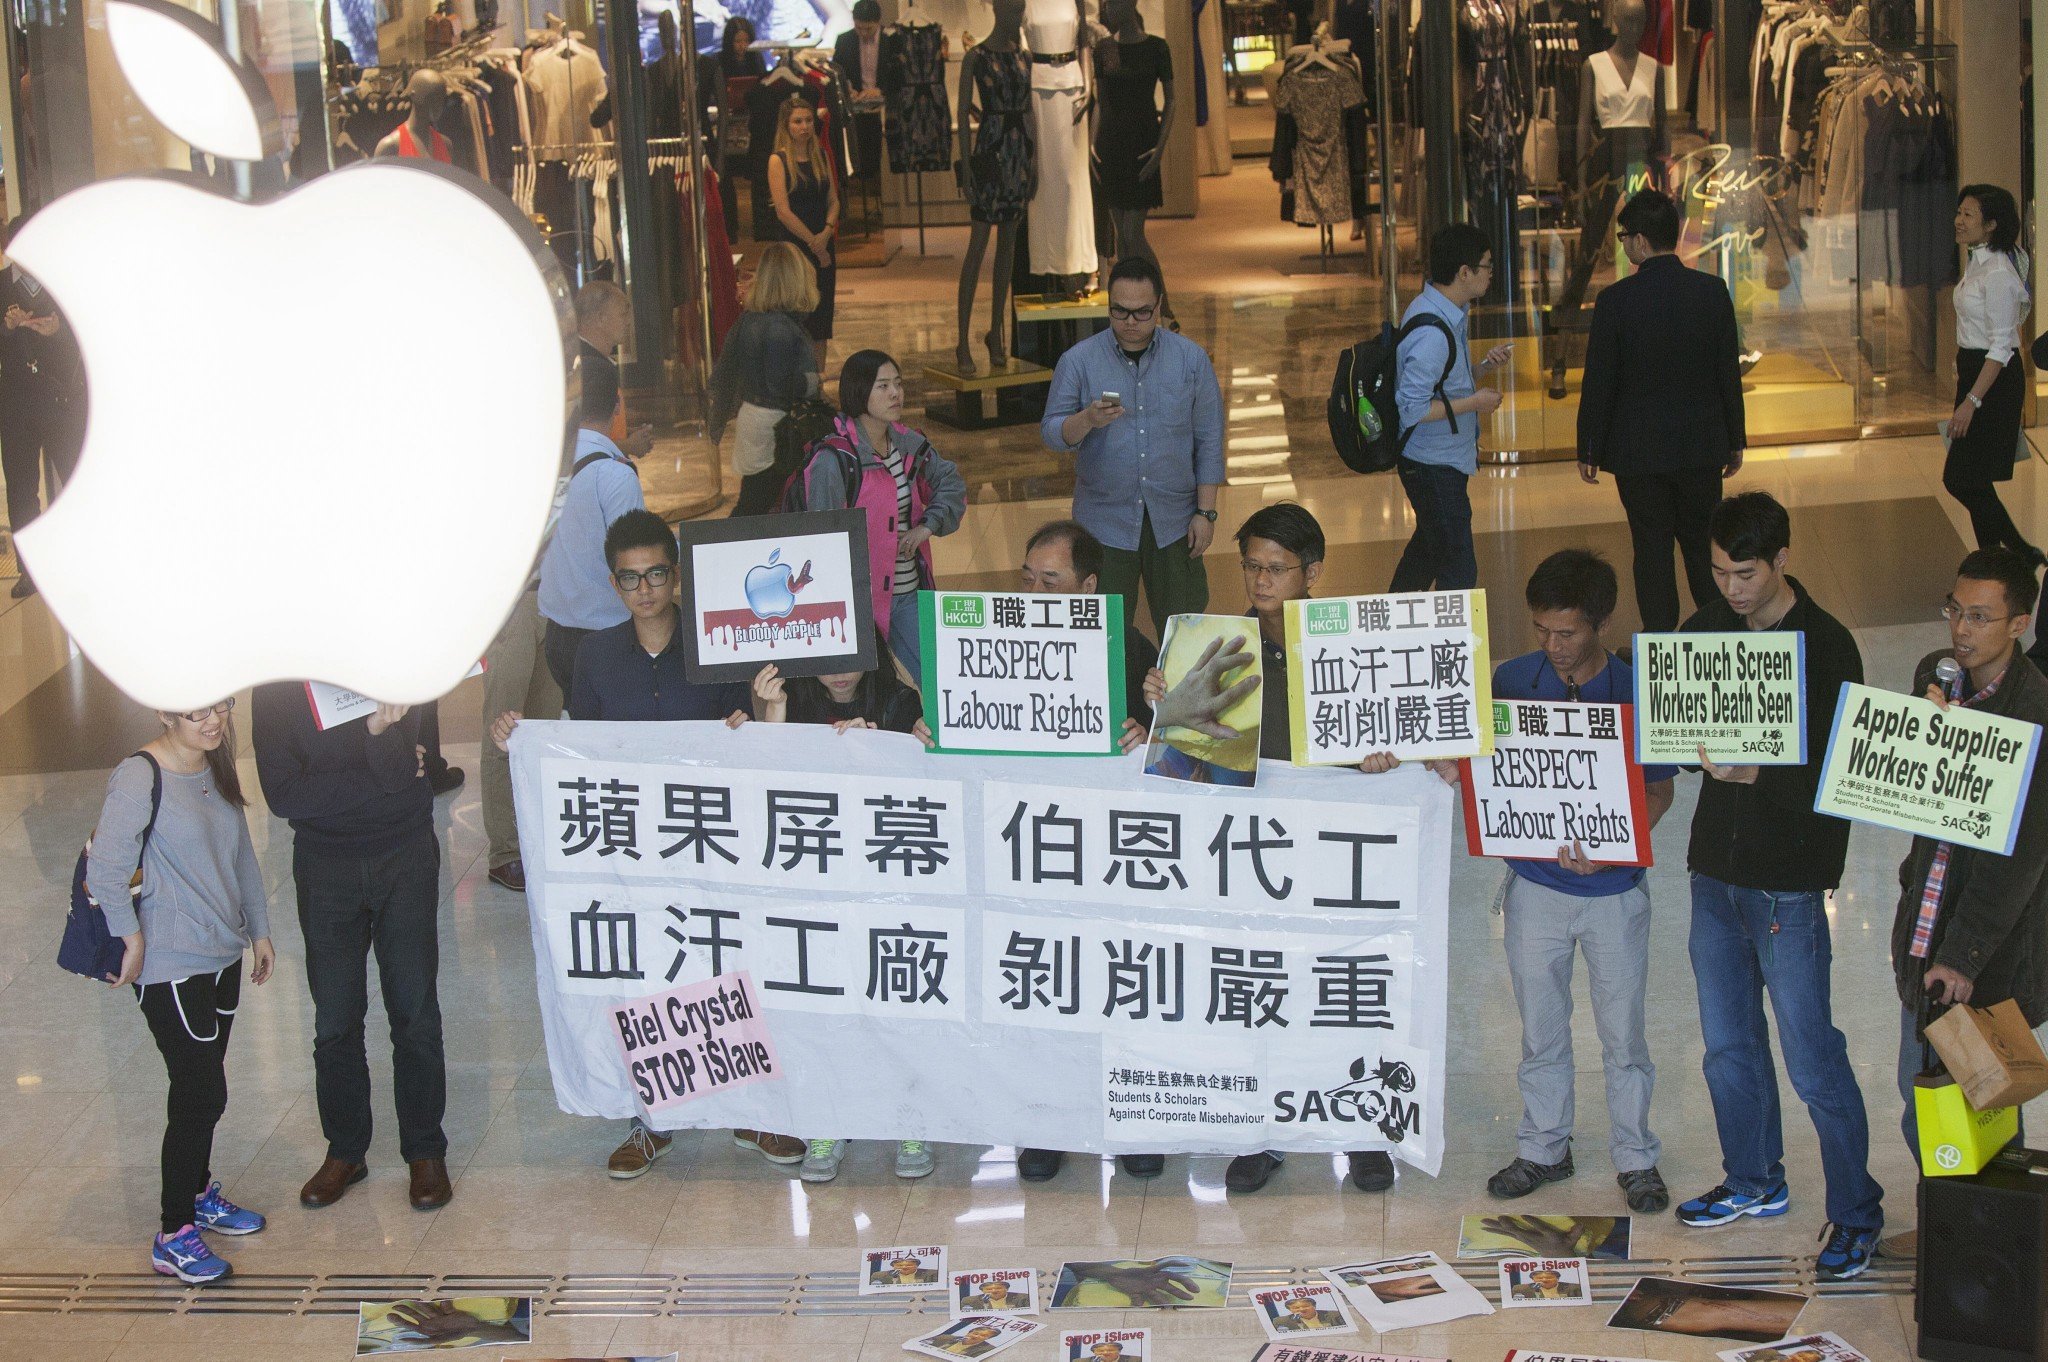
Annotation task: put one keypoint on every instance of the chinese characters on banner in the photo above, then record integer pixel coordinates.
(1560, 776)
(1742, 695)
(1023, 673)
(983, 949)
(1900, 761)
(1403, 674)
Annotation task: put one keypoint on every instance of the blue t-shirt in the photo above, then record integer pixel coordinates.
(1531, 677)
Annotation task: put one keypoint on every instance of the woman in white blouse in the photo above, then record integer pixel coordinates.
(1991, 306)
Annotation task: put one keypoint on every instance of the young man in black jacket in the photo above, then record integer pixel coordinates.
(1972, 926)
(368, 870)
(1763, 863)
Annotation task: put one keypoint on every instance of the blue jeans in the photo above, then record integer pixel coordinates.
(1440, 554)
(1745, 941)
(904, 639)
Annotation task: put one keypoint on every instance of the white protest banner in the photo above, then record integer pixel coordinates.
(998, 1291)
(786, 589)
(1105, 1345)
(1023, 673)
(693, 1041)
(1314, 1307)
(1266, 971)
(1560, 776)
(1299, 1352)
(335, 705)
(1901, 761)
(1403, 674)
(1740, 695)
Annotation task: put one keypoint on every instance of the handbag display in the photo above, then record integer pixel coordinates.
(88, 948)
(1539, 143)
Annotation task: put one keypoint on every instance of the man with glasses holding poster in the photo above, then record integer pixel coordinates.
(1140, 411)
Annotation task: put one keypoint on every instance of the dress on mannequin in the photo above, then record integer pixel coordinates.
(1129, 126)
(919, 128)
(1005, 164)
(1320, 100)
(1062, 217)
(1493, 132)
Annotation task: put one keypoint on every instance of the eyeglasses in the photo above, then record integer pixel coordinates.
(1132, 314)
(200, 716)
(630, 580)
(1622, 234)
(1268, 571)
(1976, 619)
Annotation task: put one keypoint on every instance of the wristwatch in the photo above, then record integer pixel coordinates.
(1209, 516)
(1975, 400)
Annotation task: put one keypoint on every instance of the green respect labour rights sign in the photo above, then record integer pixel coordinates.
(1741, 695)
(1903, 762)
(1020, 672)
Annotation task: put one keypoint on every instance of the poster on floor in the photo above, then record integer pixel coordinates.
(1177, 1282)
(435, 1325)
(977, 1336)
(902, 1270)
(1312, 1352)
(1408, 1292)
(1740, 695)
(1670, 1306)
(1519, 1236)
(1532, 1282)
(786, 589)
(1562, 777)
(612, 1357)
(1162, 967)
(997, 1291)
(1552, 1355)
(1404, 674)
(1205, 729)
(1293, 1311)
(1804, 1348)
(1105, 1345)
(1012, 672)
(1901, 761)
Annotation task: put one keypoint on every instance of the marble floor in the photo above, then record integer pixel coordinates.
(746, 1260)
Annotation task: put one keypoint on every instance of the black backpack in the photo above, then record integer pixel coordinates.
(1365, 421)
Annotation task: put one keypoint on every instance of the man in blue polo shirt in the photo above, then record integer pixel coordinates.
(1556, 906)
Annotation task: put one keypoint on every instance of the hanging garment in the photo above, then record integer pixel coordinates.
(1005, 169)
(409, 146)
(1624, 104)
(919, 128)
(1128, 77)
(566, 82)
(1062, 216)
(1317, 100)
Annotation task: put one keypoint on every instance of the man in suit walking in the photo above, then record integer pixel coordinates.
(1661, 407)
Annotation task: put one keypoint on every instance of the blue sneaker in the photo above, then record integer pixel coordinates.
(1845, 1253)
(214, 1212)
(1724, 1206)
(184, 1255)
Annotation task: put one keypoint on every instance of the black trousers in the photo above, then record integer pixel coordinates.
(1666, 509)
(350, 906)
(190, 1020)
(558, 646)
(38, 432)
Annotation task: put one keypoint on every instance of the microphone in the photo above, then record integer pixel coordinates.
(1948, 671)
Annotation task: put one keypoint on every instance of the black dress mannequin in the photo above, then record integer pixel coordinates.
(1131, 130)
(998, 169)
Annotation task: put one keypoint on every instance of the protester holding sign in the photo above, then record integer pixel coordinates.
(633, 672)
(1763, 863)
(1064, 558)
(1972, 925)
(877, 698)
(1556, 906)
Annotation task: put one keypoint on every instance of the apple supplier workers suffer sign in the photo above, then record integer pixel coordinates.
(1403, 674)
(1560, 776)
(1900, 761)
(979, 948)
(1742, 695)
(786, 589)
(693, 1041)
(1024, 673)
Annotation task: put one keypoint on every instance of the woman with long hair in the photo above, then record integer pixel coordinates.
(806, 204)
(174, 814)
(766, 367)
(734, 60)
(1991, 305)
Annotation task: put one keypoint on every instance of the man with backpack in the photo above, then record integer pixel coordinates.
(576, 596)
(1440, 405)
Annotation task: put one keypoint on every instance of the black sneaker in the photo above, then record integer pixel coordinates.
(1645, 1190)
(448, 781)
(1371, 1170)
(1249, 1172)
(1141, 1165)
(1039, 1165)
(1524, 1176)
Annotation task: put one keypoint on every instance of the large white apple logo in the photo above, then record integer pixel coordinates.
(324, 430)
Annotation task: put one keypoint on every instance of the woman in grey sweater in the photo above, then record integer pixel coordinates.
(201, 905)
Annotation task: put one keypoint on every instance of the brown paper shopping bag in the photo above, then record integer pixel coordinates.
(1992, 1053)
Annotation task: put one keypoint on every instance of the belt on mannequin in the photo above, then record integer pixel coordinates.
(1054, 58)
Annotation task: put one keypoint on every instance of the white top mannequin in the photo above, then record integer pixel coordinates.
(1053, 26)
(1624, 106)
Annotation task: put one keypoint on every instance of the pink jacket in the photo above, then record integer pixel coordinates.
(938, 498)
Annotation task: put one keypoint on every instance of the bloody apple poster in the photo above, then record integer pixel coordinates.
(788, 589)
(1023, 673)
(1158, 966)
(1561, 776)
(1403, 674)
(1740, 695)
(1900, 761)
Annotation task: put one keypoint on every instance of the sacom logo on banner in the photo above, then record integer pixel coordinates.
(1378, 1094)
(229, 391)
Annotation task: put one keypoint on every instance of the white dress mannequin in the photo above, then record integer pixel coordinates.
(1062, 216)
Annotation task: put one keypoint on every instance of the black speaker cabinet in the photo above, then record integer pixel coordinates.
(1982, 1278)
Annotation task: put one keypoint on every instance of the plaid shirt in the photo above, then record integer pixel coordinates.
(1937, 871)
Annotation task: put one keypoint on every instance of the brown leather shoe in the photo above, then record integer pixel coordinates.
(774, 1148)
(326, 1187)
(431, 1189)
(511, 875)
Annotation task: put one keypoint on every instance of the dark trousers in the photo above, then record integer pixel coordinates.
(1440, 553)
(190, 1020)
(430, 738)
(350, 905)
(559, 646)
(39, 436)
(1665, 509)
(1175, 582)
